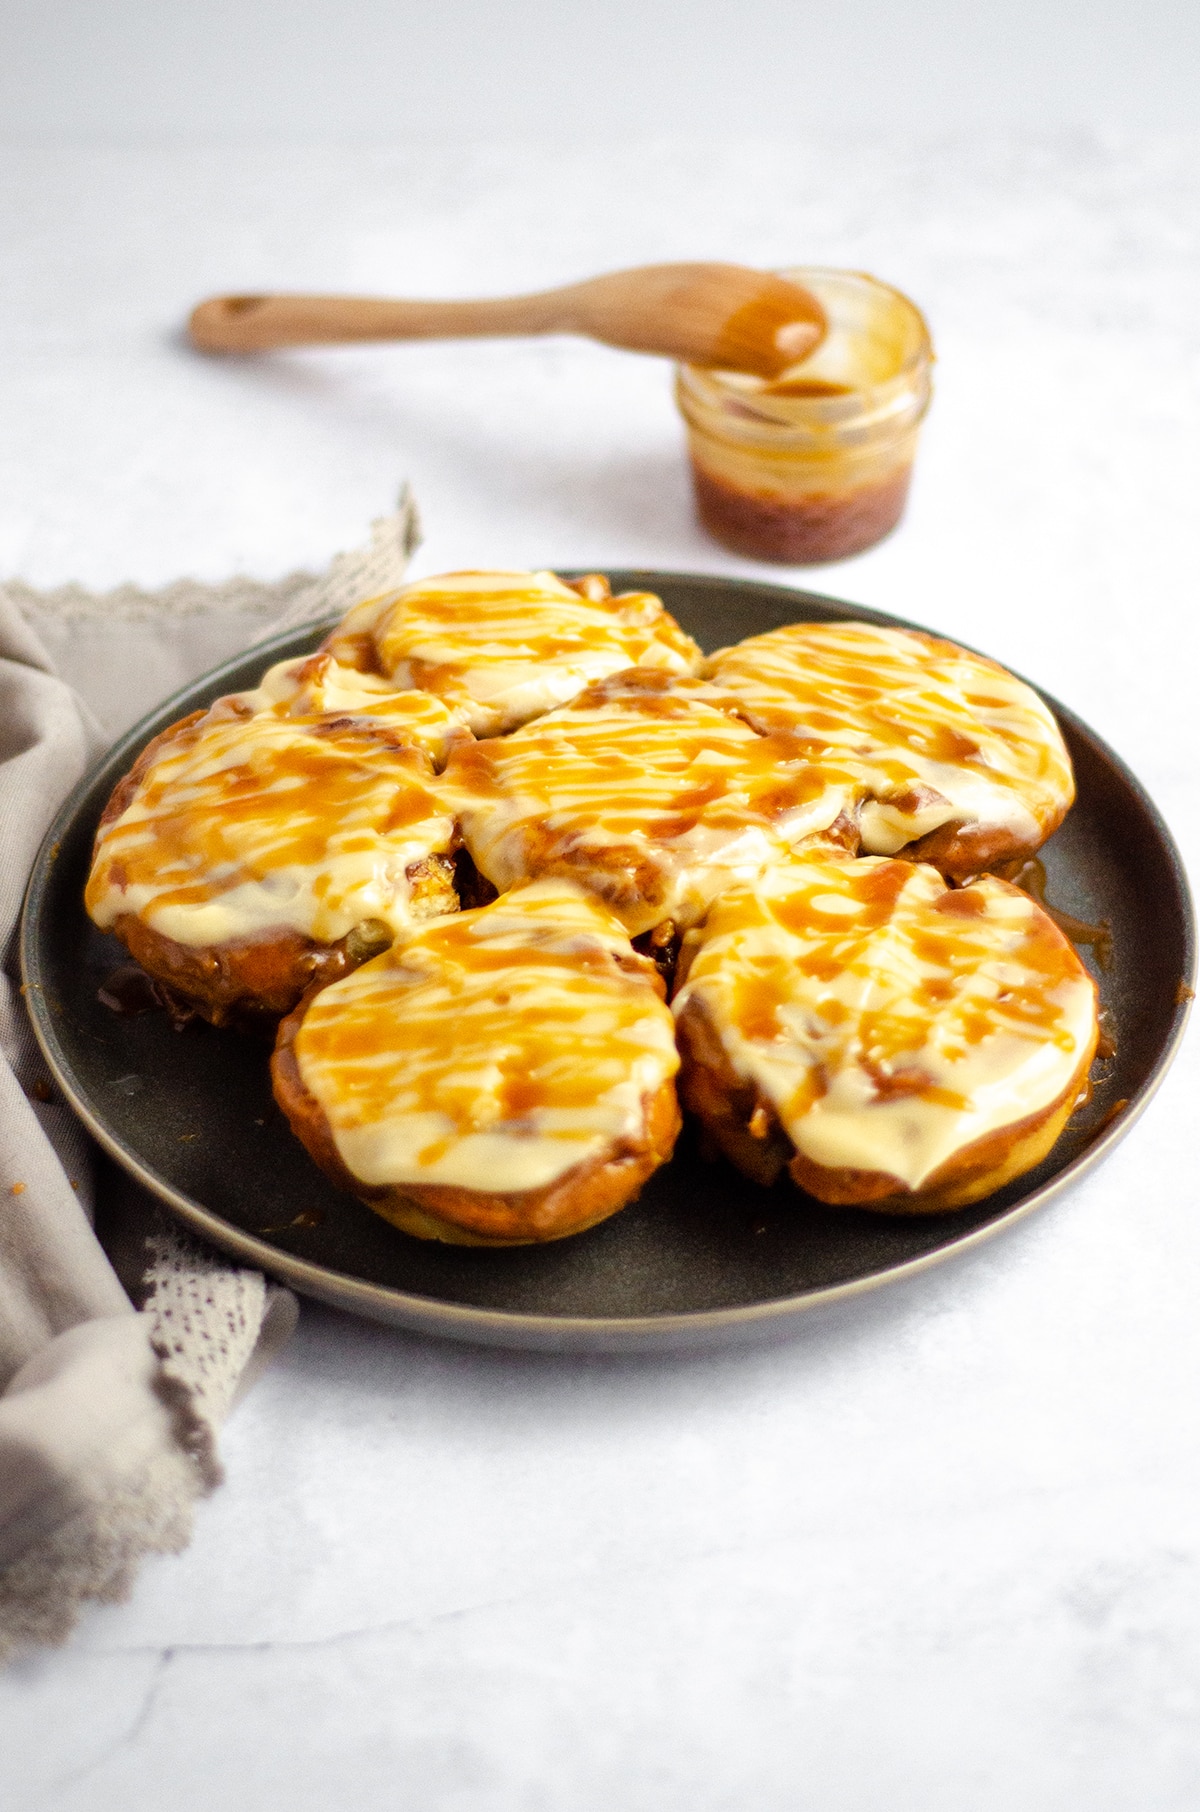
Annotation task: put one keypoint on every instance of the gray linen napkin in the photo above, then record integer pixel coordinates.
(111, 1397)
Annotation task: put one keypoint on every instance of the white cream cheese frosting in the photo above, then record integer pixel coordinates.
(248, 822)
(889, 1022)
(931, 733)
(648, 789)
(494, 1050)
(506, 646)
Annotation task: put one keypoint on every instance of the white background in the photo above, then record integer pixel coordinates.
(458, 71)
(940, 1551)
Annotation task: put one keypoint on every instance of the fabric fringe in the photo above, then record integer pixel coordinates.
(94, 1557)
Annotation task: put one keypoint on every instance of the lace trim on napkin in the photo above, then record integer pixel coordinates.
(210, 1323)
(300, 597)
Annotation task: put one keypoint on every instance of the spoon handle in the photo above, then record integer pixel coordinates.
(258, 323)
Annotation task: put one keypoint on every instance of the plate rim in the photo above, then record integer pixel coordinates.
(772, 1318)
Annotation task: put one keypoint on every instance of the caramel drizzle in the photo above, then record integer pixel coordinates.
(642, 774)
(559, 1031)
(901, 705)
(463, 635)
(241, 798)
(325, 694)
(883, 971)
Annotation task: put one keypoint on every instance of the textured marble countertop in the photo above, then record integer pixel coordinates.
(941, 1549)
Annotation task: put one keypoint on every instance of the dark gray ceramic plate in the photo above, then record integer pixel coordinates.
(704, 1255)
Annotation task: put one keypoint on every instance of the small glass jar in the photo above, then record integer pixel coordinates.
(815, 464)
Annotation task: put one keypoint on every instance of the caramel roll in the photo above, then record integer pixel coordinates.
(318, 689)
(498, 1077)
(505, 646)
(245, 844)
(352, 642)
(906, 1046)
(648, 789)
(958, 763)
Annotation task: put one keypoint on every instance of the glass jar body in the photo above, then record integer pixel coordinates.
(815, 465)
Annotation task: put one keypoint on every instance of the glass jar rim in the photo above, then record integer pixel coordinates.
(921, 351)
(740, 407)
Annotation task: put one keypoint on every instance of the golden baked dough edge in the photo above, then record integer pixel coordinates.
(585, 1195)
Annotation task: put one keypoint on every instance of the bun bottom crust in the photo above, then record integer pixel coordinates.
(746, 1129)
(961, 851)
(589, 1193)
(246, 985)
(254, 982)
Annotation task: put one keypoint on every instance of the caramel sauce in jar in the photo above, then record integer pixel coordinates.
(814, 465)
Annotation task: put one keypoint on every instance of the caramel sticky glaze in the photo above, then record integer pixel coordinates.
(648, 789)
(502, 1076)
(768, 332)
(954, 760)
(502, 647)
(1030, 876)
(804, 530)
(906, 1046)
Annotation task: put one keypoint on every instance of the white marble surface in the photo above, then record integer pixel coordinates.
(940, 1550)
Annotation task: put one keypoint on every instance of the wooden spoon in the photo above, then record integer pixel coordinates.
(705, 314)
